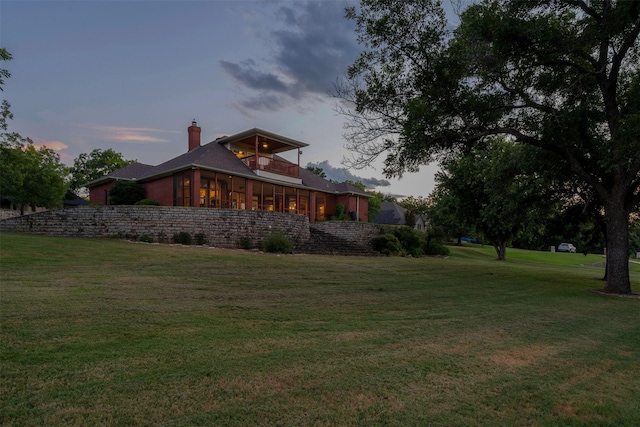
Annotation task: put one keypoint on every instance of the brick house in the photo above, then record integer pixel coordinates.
(242, 171)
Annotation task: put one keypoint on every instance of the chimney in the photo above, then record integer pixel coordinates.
(194, 135)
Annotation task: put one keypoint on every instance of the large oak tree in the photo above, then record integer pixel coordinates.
(561, 75)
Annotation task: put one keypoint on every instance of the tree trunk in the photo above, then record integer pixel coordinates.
(501, 249)
(617, 267)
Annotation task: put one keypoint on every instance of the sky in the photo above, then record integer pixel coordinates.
(132, 75)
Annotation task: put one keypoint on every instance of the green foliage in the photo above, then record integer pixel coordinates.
(147, 202)
(560, 76)
(200, 239)
(316, 170)
(277, 242)
(634, 236)
(340, 212)
(409, 218)
(87, 167)
(375, 203)
(435, 242)
(387, 244)
(126, 193)
(31, 176)
(419, 205)
(245, 242)
(146, 238)
(182, 238)
(494, 190)
(410, 241)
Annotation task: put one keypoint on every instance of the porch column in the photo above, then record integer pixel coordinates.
(312, 206)
(248, 194)
(257, 160)
(195, 188)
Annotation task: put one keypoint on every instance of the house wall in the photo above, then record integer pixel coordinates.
(221, 227)
(97, 195)
(364, 209)
(161, 190)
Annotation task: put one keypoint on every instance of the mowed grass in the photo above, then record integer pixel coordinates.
(105, 332)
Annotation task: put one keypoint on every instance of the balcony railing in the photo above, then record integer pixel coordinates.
(268, 164)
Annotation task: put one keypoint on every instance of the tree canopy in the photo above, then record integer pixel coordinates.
(87, 167)
(560, 75)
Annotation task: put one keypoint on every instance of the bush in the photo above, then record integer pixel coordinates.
(200, 239)
(410, 241)
(435, 247)
(435, 242)
(340, 209)
(146, 238)
(245, 243)
(147, 202)
(387, 244)
(277, 242)
(126, 193)
(183, 238)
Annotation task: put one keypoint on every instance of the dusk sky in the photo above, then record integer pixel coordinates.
(132, 75)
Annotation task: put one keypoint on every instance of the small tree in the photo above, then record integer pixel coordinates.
(316, 170)
(87, 167)
(126, 193)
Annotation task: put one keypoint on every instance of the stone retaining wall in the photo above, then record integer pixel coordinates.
(219, 227)
(8, 213)
(342, 237)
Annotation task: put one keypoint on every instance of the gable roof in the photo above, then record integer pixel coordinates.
(390, 213)
(214, 156)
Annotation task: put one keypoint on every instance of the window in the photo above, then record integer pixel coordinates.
(238, 194)
(291, 200)
(182, 189)
(209, 192)
(303, 209)
(320, 207)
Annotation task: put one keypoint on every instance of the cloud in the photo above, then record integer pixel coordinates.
(57, 146)
(314, 48)
(131, 135)
(343, 174)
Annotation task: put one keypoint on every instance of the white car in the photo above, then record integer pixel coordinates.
(566, 247)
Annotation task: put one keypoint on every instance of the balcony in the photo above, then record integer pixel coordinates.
(268, 164)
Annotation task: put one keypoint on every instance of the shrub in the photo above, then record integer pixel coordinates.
(183, 238)
(200, 239)
(435, 242)
(411, 240)
(387, 244)
(277, 242)
(146, 238)
(245, 243)
(340, 209)
(126, 193)
(147, 202)
(435, 247)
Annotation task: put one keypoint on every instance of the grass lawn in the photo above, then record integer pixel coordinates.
(105, 332)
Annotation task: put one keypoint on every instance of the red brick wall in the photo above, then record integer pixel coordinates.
(96, 194)
(160, 190)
